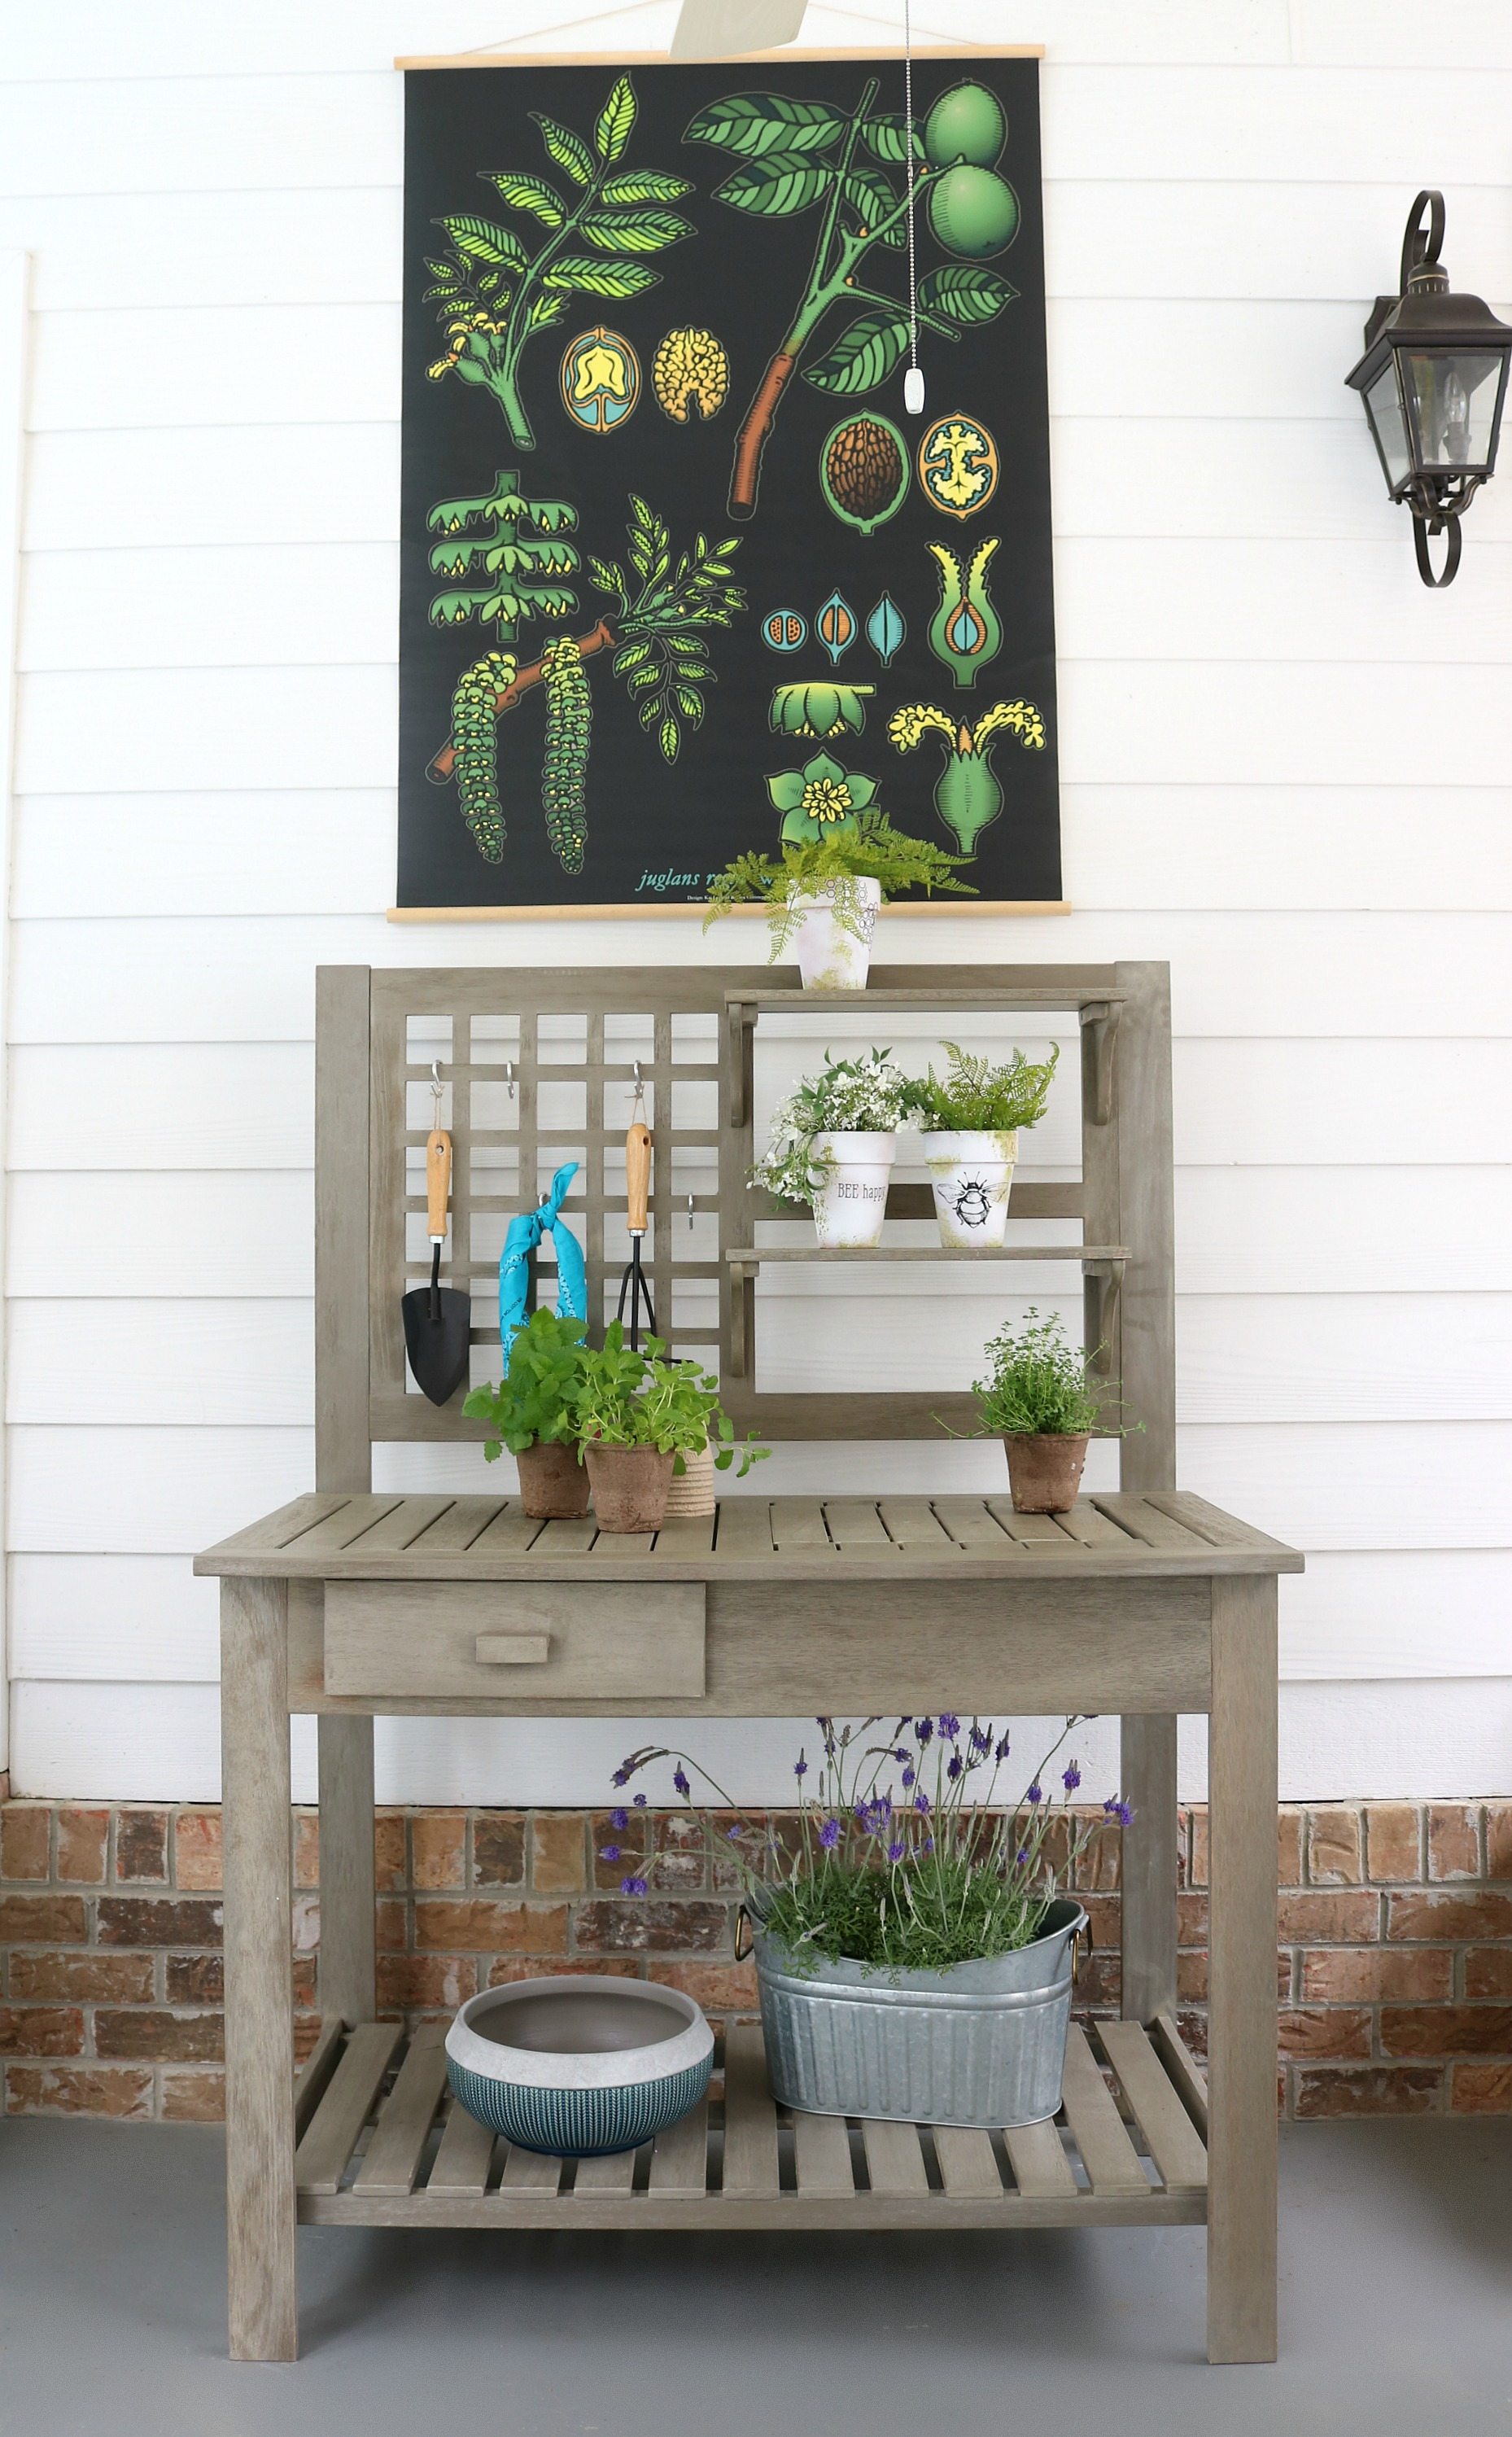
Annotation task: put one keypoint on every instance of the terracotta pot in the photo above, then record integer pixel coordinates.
(630, 1486)
(692, 1489)
(553, 1484)
(1045, 1469)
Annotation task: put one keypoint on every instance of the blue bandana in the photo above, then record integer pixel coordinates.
(516, 1279)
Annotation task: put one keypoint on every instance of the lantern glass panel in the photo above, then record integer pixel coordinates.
(1452, 397)
(1383, 406)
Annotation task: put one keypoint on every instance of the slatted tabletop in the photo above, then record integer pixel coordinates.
(333, 1538)
(381, 2143)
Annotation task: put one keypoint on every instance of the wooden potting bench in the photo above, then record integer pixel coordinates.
(353, 1606)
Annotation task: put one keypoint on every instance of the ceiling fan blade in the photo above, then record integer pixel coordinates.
(719, 29)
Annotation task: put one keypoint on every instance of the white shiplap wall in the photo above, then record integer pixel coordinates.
(1287, 769)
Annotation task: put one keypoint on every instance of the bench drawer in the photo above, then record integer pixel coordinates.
(512, 1641)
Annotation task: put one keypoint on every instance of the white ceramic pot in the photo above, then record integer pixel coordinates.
(831, 958)
(851, 1203)
(971, 1174)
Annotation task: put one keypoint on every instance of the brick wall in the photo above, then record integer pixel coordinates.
(1393, 1970)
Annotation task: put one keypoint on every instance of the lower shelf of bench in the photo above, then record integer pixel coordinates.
(381, 2143)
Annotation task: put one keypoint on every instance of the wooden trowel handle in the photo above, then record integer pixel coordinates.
(637, 1176)
(438, 1182)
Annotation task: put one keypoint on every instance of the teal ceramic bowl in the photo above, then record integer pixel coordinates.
(579, 2068)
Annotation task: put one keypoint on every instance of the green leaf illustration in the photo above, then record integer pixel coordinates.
(644, 186)
(581, 272)
(668, 740)
(615, 119)
(567, 150)
(964, 295)
(754, 123)
(690, 703)
(861, 356)
(635, 233)
(631, 655)
(886, 138)
(871, 198)
(484, 240)
(544, 311)
(529, 195)
(773, 191)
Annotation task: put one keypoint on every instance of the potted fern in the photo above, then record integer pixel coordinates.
(1038, 1399)
(823, 893)
(530, 1412)
(831, 1145)
(971, 1121)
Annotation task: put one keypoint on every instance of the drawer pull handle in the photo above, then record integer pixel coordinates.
(513, 1649)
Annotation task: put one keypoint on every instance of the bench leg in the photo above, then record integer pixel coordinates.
(1242, 1973)
(262, 2308)
(348, 1962)
(1147, 1769)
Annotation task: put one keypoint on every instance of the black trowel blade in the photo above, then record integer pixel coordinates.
(438, 1348)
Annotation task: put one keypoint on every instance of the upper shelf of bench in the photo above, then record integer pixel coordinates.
(333, 1538)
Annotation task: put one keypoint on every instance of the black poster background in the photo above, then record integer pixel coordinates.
(740, 277)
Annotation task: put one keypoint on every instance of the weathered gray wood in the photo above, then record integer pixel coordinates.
(399, 1637)
(324, 2152)
(678, 2160)
(1242, 1975)
(1041, 2168)
(1187, 2077)
(529, 2171)
(612, 2174)
(750, 1256)
(1150, 1867)
(1109, 2156)
(288, 1523)
(391, 2162)
(750, 2117)
(263, 2311)
(686, 1536)
(799, 1523)
(742, 1527)
(406, 1521)
(1141, 1518)
(343, 1015)
(1209, 1522)
(317, 2069)
(465, 2154)
(1180, 2158)
(854, 1523)
(972, 1525)
(895, 2162)
(348, 1960)
(913, 1524)
(967, 2164)
(455, 1530)
(821, 2150)
(751, 2212)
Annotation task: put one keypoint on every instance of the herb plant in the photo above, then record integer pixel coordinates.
(902, 1860)
(627, 1397)
(1037, 1384)
(829, 863)
(853, 1096)
(533, 1402)
(977, 1098)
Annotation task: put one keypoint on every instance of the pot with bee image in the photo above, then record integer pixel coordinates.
(970, 1174)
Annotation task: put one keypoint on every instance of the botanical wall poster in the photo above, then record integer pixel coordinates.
(680, 574)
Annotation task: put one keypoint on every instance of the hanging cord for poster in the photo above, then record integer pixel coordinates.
(913, 377)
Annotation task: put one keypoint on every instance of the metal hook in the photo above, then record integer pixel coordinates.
(437, 1094)
(637, 1103)
(690, 1214)
(508, 1072)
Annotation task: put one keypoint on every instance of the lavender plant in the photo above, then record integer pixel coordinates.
(903, 1859)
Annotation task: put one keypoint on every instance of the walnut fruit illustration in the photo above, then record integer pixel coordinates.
(690, 373)
(864, 470)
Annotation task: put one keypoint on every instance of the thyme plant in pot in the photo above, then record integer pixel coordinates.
(823, 893)
(531, 1411)
(971, 1122)
(1039, 1399)
(637, 1416)
(831, 1145)
(913, 1948)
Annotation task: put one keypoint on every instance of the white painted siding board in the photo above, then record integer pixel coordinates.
(1344, 1358)
(113, 490)
(1341, 1230)
(239, 1233)
(235, 249)
(130, 1620)
(1353, 33)
(209, 133)
(175, 1359)
(150, 1492)
(320, 851)
(1359, 1484)
(125, 729)
(248, 1105)
(248, 607)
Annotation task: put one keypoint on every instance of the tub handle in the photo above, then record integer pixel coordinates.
(744, 1936)
(1082, 1949)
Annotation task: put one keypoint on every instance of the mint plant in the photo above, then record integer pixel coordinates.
(533, 1402)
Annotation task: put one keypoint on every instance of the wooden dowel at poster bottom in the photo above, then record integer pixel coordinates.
(1014, 906)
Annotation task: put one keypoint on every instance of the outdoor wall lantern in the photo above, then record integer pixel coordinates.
(1433, 380)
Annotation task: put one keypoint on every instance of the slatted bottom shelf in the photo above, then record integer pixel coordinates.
(381, 2143)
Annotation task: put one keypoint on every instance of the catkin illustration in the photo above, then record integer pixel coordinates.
(473, 735)
(565, 769)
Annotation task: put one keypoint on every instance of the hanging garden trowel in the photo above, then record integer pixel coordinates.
(438, 1320)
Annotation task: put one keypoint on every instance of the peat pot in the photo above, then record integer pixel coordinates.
(579, 2068)
(692, 1489)
(630, 1486)
(970, 1174)
(851, 1203)
(980, 2044)
(553, 1484)
(828, 956)
(1045, 1469)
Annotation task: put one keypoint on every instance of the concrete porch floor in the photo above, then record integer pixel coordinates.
(1396, 2313)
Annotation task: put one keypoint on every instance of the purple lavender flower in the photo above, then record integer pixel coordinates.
(980, 1740)
(800, 1767)
(929, 1845)
(621, 1776)
(633, 1886)
(618, 1818)
(738, 1830)
(1071, 1778)
(680, 1783)
(640, 1802)
(901, 1752)
(949, 1725)
(954, 1766)
(921, 1802)
(1022, 1855)
(1121, 1810)
(895, 1850)
(907, 1777)
(829, 1834)
(1035, 1795)
(924, 1728)
(608, 1852)
(1000, 1750)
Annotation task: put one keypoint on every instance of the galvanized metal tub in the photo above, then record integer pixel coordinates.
(978, 2044)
